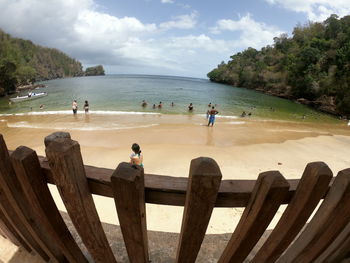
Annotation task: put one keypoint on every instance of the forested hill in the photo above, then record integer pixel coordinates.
(312, 66)
(22, 62)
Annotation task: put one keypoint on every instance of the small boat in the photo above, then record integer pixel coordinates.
(30, 96)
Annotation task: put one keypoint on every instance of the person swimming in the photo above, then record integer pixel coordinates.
(160, 105)
(144, 103)
(190, 107)
(136, 158)
(243, 114)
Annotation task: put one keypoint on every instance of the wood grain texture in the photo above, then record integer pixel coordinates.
(69, 176)
(129, 195)
(312, 187)
(330, 219)
(12, 201)
(270, 190)
(203, 185)
(29, 174)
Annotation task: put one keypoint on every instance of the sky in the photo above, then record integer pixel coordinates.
(159, 37)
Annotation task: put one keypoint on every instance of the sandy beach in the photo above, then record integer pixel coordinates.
(242, 147)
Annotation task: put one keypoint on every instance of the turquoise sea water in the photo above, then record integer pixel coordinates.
(123, 94)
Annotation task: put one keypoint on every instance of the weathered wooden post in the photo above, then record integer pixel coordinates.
(129, 195)
(202, 189)
(311, 188)
(12, 203)
(69, 175)
(29, 174)
(269, 191)
(330, 219)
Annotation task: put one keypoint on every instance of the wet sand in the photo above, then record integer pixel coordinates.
(243, 148)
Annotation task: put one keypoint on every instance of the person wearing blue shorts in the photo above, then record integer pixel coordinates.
(212, 114)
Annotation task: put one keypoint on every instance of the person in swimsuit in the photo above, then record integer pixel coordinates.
(212, 114)
(75, 107)
(86, 106)
(136, 158)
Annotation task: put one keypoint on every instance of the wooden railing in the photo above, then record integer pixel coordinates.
(29, 216)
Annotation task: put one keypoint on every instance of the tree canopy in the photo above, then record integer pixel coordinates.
(314, 63)
(22, 62)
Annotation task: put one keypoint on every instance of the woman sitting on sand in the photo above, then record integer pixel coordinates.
(136, 157)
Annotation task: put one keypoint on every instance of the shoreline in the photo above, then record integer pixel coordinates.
(241, 149)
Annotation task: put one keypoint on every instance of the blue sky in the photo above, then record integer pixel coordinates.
(162, 37)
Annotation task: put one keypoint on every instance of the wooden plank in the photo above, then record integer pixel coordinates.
(338, 250)
(312, 186)
(330, 219)
(11, 233)
(10, 194)
(69, 175)
(129, 195)
(203, 185)
(31, 178)
(169, 190)
(269, 191)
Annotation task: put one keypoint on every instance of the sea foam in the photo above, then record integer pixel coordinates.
(68, 112)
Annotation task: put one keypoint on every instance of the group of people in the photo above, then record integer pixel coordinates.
(75, 107)
(160, 105)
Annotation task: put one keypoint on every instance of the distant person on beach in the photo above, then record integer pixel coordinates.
(190, 107)
(154, 106)
(172, 104)
(144, 104)
(75, 107)
(243, 114)
(136, 157)
(212, 114)
(86, 106)
(160, 105)
(249, 114)
(209, 105)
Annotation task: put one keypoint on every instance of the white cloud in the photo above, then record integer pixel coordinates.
(126, 44)
(167, 1)
(252, 33)
(316, 10)
(181, 22)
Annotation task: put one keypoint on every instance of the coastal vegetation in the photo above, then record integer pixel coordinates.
(312, 66)
(22, 63)
(95, 71)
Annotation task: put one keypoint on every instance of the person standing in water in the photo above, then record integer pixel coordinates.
(190, 107)
(75, 107)
(136, 158)
(86, 106)
(212, 114)
(144, 104)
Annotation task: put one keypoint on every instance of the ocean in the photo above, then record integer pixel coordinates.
(123, 95)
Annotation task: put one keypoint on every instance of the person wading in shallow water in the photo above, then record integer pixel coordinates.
(75, 107)
(212, 114)
(136, 158)
(86, 106)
